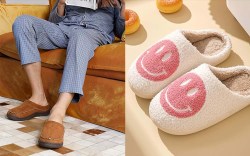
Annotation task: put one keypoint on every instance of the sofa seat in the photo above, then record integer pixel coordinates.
(108, 61)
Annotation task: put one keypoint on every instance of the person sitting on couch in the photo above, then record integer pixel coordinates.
(81, 31)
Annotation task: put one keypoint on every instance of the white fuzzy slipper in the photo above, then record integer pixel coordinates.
(201, 98)
(173, 56)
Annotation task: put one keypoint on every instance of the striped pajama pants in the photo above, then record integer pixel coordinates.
(32, 33)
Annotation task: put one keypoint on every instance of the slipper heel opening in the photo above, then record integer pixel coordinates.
(209, 44)
(237, 81)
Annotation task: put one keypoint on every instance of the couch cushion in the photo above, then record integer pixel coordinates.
(109, 60)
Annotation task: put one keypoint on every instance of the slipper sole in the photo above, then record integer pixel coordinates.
(49, 145)
(14, 118)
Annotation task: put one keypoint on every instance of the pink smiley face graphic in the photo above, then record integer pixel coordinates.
(159, 62)
(184, 97)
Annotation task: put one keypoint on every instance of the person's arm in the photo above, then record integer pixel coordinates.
(123, 9)
(120, 20)
(58, 12)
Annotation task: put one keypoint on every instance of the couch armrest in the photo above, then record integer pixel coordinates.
(9, 12)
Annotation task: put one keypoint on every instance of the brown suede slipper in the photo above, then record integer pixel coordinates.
(27, 110)
(51, 135)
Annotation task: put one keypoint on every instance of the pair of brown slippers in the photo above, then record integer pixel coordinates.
(52, 132)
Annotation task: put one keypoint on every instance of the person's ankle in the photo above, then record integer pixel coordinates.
(57, 117)
(57, 114)
(39, 99)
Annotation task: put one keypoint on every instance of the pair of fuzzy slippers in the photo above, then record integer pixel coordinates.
(204, 95)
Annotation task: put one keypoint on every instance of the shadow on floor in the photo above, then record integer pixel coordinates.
(181, 16)
(224, 18)
(138, 37)
(215, 139)
(233, 60)
(144, 104)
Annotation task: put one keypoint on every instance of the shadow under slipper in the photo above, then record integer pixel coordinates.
(233, 60)
(231, 132)
(144, 104)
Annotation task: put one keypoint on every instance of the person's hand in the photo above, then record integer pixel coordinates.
(61, 2)
(60, 7)
(123, 2)
(123, 9)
